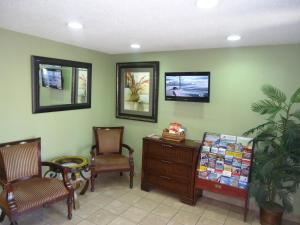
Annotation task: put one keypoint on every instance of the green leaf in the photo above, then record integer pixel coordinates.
(265, 107)
(296, 96)
(258, 128)
(274, 93)
(296, 114)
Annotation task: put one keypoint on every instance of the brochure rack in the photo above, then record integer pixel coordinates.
(224, 166)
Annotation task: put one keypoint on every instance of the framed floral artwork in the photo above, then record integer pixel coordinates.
(137, 91)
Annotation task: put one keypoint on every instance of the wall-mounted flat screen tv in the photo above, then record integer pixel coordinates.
(52, 78)
(187, 86)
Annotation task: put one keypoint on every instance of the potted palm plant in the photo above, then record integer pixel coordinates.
(276, 163)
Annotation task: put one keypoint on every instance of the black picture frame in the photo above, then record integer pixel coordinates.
(36, 61)
(137, 90)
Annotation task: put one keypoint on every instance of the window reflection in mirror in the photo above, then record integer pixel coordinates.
(60, 84)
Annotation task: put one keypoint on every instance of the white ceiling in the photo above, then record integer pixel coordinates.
(157, 25)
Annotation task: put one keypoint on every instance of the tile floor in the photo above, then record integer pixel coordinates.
(114, 203)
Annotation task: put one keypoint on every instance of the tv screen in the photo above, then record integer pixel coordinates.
(52, 78)
(187, 86)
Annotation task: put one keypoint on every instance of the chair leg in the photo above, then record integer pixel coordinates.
(70, 202)
(92, 182)
(121, 174)
(2, 216)
(131, 178)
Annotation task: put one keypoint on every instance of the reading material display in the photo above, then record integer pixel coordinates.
(226, 159)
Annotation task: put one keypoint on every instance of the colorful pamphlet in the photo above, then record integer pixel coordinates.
(244, 142)
(237, 162)
(226, 159)
(245, 170)
(244, 179)
(227, 173)
(236, 171)
(214, 149)
(212, 139)
(205, 149)
(243, 185)
(227, 167)
(225, 180)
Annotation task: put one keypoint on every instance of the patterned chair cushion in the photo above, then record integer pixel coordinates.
(111, 162)
(20, 161)
(35, 192)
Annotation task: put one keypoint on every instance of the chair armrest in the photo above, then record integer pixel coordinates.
(56, 167)
(10, 198)
(61, 169)
(129, 149)
(93, 155)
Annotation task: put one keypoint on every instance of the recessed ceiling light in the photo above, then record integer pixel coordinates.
(207, 4)
(136, 46)
(233, 37)
(75, 25)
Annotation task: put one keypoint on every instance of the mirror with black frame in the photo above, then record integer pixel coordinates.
(59, 84)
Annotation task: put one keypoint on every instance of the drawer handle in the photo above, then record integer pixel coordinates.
(167, 146)
(165, 161)
(164, 177)
(218, 186)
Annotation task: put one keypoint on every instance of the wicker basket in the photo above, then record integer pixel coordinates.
(173, 137)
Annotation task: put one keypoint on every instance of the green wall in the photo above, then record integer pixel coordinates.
(66, 132)
(237, 75)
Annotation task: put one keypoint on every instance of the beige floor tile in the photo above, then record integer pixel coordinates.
(156, 196)
(129, 198)
(101, 217)
(165, 211)
(86, 210)
(153, 219)
(121, 221)
(186, 218)
(117, 207)
(134, 214)
(208, 221)
(215, 214)
(101, 200)
(174, 223)
(146, 204)
(138, 191)
(233, 221)
(113, 192)
(239, 215)
(193, 209)
(173, 201)
(85, 222)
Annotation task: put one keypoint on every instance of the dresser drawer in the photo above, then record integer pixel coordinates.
(170, 152)
(169, 183)
(169, 168)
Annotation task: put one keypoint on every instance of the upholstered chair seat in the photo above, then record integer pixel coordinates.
(106, 155)
(111, 162)
(45, 190)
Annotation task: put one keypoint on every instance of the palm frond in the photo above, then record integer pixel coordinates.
(296, 114)
(274, 93)
(296, 96)
(266, 107)
(258, 128)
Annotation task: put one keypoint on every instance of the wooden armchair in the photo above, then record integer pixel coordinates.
(106, 155)
(24, 188)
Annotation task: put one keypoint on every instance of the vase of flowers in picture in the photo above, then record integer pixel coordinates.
(135, 85)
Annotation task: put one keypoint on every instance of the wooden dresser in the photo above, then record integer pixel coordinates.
(170, 166)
